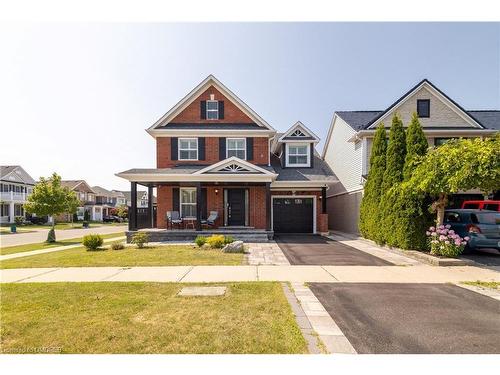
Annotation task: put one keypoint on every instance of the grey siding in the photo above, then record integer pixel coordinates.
(343, 212)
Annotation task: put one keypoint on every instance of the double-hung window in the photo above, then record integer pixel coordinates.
(297, 155)
(212, 110)
(236, 147)
(188, 149)
(188, 202)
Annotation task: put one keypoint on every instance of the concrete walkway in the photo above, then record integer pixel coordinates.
(52, 249)
(40, 235)
(196, 274)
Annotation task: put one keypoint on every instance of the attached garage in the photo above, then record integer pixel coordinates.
(293, 214)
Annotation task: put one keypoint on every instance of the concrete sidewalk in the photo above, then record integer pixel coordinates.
(326, 274)
(40, 235)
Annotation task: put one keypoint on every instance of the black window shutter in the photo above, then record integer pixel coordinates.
(222, 148)
(173, 148)
(283, 156)
(312, 156)
(249, 148)
(201, 148)
(203, 203)
(203, 109)
(175, 199)
(221, 110)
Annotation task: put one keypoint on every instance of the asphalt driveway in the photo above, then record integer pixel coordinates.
(486, 257)
(318, 250)
(412, 318)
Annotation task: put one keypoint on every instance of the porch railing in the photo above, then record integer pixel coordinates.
(13, 196)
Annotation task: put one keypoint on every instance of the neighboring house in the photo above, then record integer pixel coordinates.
(142, 198)
(214, 153)
(15, 186)
(108, 199)
(87, 197)
(348, 144)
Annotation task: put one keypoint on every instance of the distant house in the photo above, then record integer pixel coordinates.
(87, 197)
(349, 142)
(15, 187)
(142, 198)
(108, 199)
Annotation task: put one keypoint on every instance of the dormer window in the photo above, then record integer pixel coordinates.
(298, 155)
(212, 110)
(423, 107)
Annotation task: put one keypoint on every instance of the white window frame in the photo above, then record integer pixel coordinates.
(213, 110)
(236, 149)
(308, 154)
(189, 203)
(179, 149)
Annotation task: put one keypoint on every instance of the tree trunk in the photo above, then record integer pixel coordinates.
(440, 206)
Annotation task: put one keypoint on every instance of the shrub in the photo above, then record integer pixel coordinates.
(140, 239)
(216, 241)
(200, 241)
(228, 239)
(75, 217)
(92, 241)
(117, 246)
(445, 242)
(86, 216)
(51, 236)
(19, 220)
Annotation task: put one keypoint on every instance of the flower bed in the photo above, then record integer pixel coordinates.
(445, 242)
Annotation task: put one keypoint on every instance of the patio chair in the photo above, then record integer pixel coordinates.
(174, 218)
(210, 221)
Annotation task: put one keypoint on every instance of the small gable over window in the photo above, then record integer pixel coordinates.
(297, 133)
(423, 107)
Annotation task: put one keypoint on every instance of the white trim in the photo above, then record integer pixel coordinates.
(197, 91)
(346, 192)
(212, 110)
(298, 144)
(237, 139)
(234, 160)
(211, 132)
(182, 177)
(304, 129)
(465, 116)
(328, 136)
(296, 185)
(179, 149)
(192, 204)
(314, 197)
(370, 133)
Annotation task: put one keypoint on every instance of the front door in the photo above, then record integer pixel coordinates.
(236, 207)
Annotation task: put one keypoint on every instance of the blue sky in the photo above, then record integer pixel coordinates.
(76, 98)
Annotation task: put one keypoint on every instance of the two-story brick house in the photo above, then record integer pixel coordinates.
(214, 153)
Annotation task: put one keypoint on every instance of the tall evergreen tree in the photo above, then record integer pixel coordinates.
(371, 196)
(416, 146)
(393, 175)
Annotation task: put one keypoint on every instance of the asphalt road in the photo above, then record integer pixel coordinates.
(487, 257)
(412, 318)
(318, 250)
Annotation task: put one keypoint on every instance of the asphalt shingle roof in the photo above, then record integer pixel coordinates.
(320, 172)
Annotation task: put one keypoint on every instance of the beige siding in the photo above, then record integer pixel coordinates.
(343, 212)
(344, 157)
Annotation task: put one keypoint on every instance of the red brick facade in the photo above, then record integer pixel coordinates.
(232, 114)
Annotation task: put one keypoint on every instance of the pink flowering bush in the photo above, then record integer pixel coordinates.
(445, 242)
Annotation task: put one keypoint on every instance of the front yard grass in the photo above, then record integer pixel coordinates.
(45, 245)
(147, 318)
(58, 226)
(484, 284)
(165, 255)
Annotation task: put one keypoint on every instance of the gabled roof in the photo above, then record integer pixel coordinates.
(429, 85)
(15, 173)
(234, 165)
(299, 132)
(196, 92)
(73, 184)
(100, 191)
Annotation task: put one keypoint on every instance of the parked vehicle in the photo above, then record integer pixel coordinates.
(482, 205)
(481, 226)
(112, 219)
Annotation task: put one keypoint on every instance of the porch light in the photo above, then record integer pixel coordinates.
(216, 191)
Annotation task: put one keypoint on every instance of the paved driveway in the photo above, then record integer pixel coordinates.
(412, 318)
(318, 250)
(487, 257)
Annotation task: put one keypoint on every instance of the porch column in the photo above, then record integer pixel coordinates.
(132, 223)
(323, 200)
(150, 206)
(198, 206)
(268, 205)
(11, 212)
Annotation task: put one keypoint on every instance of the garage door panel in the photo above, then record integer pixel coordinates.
(293, 215)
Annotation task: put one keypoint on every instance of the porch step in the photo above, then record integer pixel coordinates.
(245, 235)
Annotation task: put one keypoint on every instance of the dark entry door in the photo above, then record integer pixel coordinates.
(236, 207)
(293, 215)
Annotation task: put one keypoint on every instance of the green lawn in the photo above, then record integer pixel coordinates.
(484, 284)
(45, 245)
(146, 318)
(165, 255)
(58, 226)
